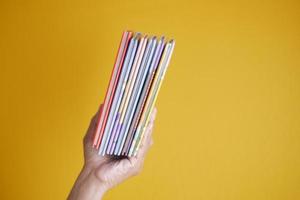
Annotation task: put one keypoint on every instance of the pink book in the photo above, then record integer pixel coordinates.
(111, 88)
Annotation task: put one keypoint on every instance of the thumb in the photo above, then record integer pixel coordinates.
(90, 134)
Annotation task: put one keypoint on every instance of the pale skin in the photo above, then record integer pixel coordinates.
(101, 173)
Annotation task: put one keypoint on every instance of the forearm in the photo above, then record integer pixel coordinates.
(87, 186)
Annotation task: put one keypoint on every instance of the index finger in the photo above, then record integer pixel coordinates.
(146, 140)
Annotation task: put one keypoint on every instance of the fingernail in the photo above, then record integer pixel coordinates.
(153, 115)
(154, 111)
(150, 127)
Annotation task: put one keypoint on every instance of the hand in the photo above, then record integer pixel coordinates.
(100, 173)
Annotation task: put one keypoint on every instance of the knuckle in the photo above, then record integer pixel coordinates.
(140, 167)
(137, 170)
(132, 167)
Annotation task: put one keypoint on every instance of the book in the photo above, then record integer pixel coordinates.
(140, 67)
(111, 88)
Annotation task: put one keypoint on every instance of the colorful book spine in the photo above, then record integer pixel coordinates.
(136, 79)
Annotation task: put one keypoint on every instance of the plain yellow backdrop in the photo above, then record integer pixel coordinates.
(228, 124)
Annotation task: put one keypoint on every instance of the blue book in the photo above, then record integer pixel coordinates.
(119, 93)
(134, 99)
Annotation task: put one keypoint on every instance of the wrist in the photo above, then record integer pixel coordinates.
(92, 179)
(87, 186)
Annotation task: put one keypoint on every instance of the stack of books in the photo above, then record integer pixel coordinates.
(139, 69)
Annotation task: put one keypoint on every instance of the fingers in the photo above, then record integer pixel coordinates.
(91, 130)
(136, 162)
(153, 115)
(146, 140)
(131, 166)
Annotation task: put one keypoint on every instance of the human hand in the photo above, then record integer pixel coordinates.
(101, 173)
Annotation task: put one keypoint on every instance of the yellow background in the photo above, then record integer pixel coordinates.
(228, 124)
